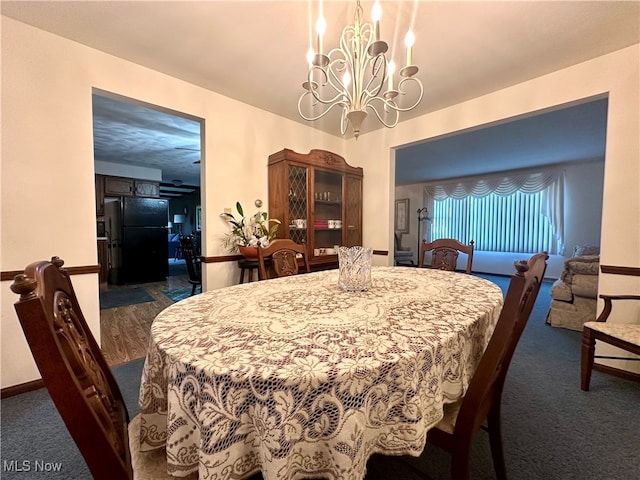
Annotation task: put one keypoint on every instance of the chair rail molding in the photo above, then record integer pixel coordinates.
(8, 276)
(618, 270)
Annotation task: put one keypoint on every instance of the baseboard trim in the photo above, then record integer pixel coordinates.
(21, 388)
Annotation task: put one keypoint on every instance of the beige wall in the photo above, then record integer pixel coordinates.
(47, 187)
(616, 75)
(47, 190)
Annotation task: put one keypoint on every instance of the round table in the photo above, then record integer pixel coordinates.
(296, 378)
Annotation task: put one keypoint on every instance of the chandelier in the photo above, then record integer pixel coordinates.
(356, 76)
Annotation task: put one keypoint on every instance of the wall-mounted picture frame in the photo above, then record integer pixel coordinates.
(402, 216)
(198, 218)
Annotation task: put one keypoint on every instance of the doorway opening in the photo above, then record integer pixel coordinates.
(147, 163)
(569, 137)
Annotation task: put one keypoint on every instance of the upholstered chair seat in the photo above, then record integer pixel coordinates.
(623, 334)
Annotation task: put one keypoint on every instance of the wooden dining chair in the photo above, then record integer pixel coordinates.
(78, 378)
(622, 335)
(192, 259)
(444, 253)
(481, 402)
(285, 255)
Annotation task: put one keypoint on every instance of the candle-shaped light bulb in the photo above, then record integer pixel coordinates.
(376, 15)
(391, 69)
(346, 79)
(321, 27)
(408, 41)
(310, 55)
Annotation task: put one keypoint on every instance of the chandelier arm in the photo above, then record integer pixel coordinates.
(335, 66)
(402, 92)
(390, 103)
(313, 69)
(339, 97)
(348, 35)
(327, 81)
(344, 121)
(358, 67)
(394, 110)
(319, 115)
(378, 62)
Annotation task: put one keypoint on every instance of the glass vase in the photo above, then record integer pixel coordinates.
(355, 268)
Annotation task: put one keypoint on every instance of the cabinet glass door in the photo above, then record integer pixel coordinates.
(328, 221)
(353, 212)
(298, 204)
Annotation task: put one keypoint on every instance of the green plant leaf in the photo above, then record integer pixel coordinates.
(244, 230)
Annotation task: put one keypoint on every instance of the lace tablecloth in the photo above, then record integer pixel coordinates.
(298, 379)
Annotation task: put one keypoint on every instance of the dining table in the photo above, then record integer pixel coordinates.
(296, 378)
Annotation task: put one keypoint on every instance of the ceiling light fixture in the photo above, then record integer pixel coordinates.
(357, 76)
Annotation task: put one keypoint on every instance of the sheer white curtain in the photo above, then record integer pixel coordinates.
(553, 209)
(507, 222)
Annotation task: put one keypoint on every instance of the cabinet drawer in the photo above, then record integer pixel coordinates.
(118, 186)
(147, 189)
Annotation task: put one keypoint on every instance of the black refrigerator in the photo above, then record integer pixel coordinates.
(144, 240)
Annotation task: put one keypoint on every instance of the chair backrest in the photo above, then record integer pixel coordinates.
(194, 266)
(444, 253)
(397, 241)
(73, 368)
(485, 388)
(284, 255)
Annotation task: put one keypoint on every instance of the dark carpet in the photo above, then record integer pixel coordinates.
(124, 296)
(179, 293)
(177, 267)
(552, 429)
(33, 435)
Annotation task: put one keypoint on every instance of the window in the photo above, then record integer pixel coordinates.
(520, 213)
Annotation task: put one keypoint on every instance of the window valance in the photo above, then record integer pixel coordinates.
(500, 185)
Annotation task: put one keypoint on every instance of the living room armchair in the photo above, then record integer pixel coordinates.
(401, 255)
(574, 295)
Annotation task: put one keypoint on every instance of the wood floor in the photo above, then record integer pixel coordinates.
(125, 330)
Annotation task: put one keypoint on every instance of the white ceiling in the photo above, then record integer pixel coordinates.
(255, 51)
(569, 134)
(132, 133)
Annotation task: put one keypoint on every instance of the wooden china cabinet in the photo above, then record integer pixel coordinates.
(318, 198)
